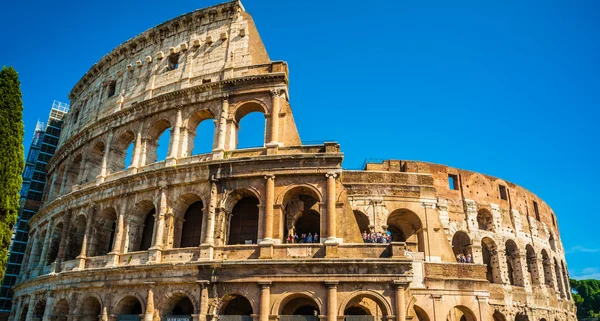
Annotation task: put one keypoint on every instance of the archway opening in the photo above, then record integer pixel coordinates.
(141, 226)
(405, 226)
(73, 172)
(365, 307)
(128, 306)
(513, 263)
(251, 130)
(54, 243)
(90, 309)
(490, 259)
(532, 266)
(237, 305)
(460, 313)
(420, 313)
(24, 310)
(40, 307)
(561, 288)
(521, 317)
(243, 226)
(102, 242)
(566, 280)
(497, 316)
(201, 133)
(362, 221)
(147, 231)
(157, 145)
(191, 229)
(461, 245)
(76, 235)
(179, 306)
(122, 152)
(485, 220)
(60, 310)
(162, 146)
(301, 214)
(94, 162)
(552, 242)
(547, 263)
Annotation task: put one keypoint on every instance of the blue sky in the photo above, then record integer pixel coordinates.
(506, 88)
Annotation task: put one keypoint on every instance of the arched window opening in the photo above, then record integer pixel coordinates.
(141, 226)
(485, 220)
(405, 226)
(302, 217)
(420, 314)
(40, 307)
(497, 316)
(365, 307)
(24, 310)
(54, 243)
(460, 313)
(112, 88)
(102, 242)
(129, 306)
(565, 280)
(362, 221)
(173, 61)
(201, 134)
(57, 181)
(532, 266)
(547, 262)
(192, 225)
(37, 259)
(490, 259)
(147, 231)
(251, 131)
(237, 305)
(521, 317)
(90, 309)
(552, 242)
(76, 235)
(94, 163)
(60, 311)
(73, 173)
(122, 153)
(513, 263)
(243, 226)
(302, 305)
(179, 306)
(157, 144)
(461, 245)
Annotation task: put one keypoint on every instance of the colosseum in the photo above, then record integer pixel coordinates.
(211, 237)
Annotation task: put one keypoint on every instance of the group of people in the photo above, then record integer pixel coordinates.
(376, 237)
(303, 238)
(461, 258)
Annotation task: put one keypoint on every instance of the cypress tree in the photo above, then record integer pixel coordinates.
(11, 157)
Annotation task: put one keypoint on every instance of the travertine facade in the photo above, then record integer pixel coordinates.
(203, 237)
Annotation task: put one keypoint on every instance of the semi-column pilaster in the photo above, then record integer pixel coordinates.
(400, 300)
(137, 155)
(275, 96)
(331, 300)
(49, 306)
(104, 170)
(207, 246)
(149, 304)
(84, 244)
(28, 250)
(266, 244)
(331, 212)
(16, 309)
(32, 302)
(176, 137)
(222, 129)
(203, 299)
(64, 241)
(265, 295)
(42, 258)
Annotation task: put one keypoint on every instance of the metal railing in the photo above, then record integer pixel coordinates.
(359, 318)
(233, 318)
(298, 318)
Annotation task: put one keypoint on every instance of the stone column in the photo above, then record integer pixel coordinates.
(400, 301)
(176, 136)
(49, 306)
(126, 237)
(32, 302)
(42, 259)
(331, 300)
(269, 201)
(51, 190)
(137, 154)
(265, 295)
(222, 131)
(104, 170)
(104, 315)
(212, 207)
(119, 230)
(64, 241)
(16, 309)
(275, 94)
(160, 220)
(28, 250)
(84, 244)
(149, 305)
(331, 212)
(203, 299)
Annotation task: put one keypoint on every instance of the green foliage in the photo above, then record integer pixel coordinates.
(587, 297)
(11, 157)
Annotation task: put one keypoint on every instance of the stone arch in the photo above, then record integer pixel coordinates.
(189, 221)
(552, 241)
(497, 316)
(39, 308)
(231, 198)
(142, 224)
(191, 125)
(40, 236)
(90, 308)
(491, 260)
(532, 266)
(278, 306)
(243, 219)
(105, 226)
(559, 280)
(179, 303)
(235, 304)
(362, 220)
(93, 164)
(57, 180)
(301, 207)
(299, 304)
(54, 245)
(24, 309)
(513, 262)
(566, 280)
(406, 226)
(547, 263)
(461, 313)
(154, 132)
(420, 313)
(76, 235)
(73, 172)
(240, 111)
(461, 245)
(120, 145)
(485, 221)
(479, 186)
(129, 304)
(61, 310)
(355, 298)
